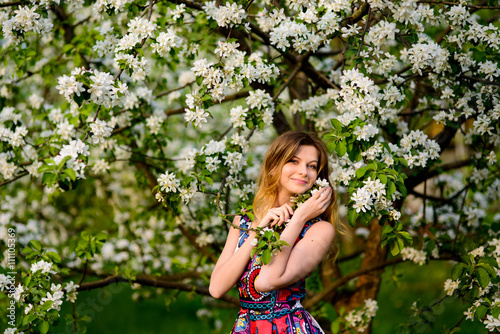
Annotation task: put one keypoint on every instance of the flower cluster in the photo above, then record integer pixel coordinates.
(357, 98)
(99, 88)
(371, 194)
(25, 20)
(103, 5)
(417, 149)
(415, 255)
(218, 78)
(226, 16)
(426, 55)
(166, 42)
(261, 110)
(360, 318)
(307, 30)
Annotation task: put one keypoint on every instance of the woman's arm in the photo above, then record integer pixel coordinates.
(298, 260)
(230, 265)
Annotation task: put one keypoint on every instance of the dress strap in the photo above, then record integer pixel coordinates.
(244, 223)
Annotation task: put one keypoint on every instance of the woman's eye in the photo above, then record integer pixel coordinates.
(313, 167)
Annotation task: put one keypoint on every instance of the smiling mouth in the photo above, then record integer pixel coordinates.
(300, 181)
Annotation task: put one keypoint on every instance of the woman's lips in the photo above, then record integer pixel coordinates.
(300, 181)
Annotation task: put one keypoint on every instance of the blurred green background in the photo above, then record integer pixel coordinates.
(113, 310)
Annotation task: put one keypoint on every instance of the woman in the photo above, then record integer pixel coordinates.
(270, 294)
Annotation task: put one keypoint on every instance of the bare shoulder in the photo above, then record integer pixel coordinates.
(322, 229)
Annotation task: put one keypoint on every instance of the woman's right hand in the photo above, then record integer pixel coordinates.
(315, 205)
(277, 216)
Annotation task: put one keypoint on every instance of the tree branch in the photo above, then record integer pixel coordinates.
(173, 90)
(486, 82)
(148, 281)
(10, 4)
(419, 178)
(456, 4)
(14, 179)
(334, 285)
(338, 283)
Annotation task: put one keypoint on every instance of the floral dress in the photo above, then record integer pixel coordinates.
(274, 312)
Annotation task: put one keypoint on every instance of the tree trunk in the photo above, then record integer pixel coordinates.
(367, 285)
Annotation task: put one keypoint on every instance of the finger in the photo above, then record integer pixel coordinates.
(283, 216)
(327, 195)
(289, 211)
(275, 217)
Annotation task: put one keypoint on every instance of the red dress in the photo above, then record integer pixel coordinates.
(274, 312)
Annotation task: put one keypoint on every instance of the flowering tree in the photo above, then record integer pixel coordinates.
(130, 128)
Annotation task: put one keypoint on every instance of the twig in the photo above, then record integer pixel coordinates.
(84, 272)
(364, 31)
(173, 90)
(14, 179)
(455, 4)
(487, 82)
(288, 80)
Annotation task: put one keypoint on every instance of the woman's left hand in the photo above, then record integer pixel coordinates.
(315, 205)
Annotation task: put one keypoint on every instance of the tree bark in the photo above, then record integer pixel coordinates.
(367, 285)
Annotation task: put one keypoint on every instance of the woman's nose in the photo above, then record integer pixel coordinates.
(302, 169)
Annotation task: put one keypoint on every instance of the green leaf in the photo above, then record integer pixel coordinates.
(46, 168)
(71, 173)
(457, 271)
(77, 60)
(401, 243)
(402, 189)
(266, 256)
(495, 312)
(407, 237)
(67, 48)
(29, 318)
(352, 216)
(47, 305)
(54, 257)
(395, 248)
(209, 180)
(481, 312)
(332, 145)
(44, 326)
(391, 188)
(336, 124)
(483, 277)
(335, 326)
(382, 178)
(35, 245)
(341, 148)
(360, 172)
(487, 266)
(387, 229)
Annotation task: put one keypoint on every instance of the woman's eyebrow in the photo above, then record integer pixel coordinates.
(296, 157)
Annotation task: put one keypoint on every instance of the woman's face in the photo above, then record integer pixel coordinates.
(298, 174)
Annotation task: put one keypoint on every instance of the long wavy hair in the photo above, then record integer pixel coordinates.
(281, 151)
